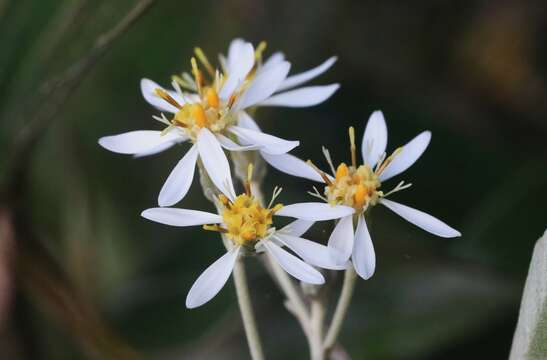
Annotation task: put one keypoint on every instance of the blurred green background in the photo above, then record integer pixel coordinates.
(83, 276)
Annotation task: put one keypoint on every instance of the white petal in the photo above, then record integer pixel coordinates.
(313, 253)
(212, 279)
(273, 60)
(315, 211)
(246, 121)
(177, 184)
(363, 256)
(263, 85)
(302, 97)
(375, 138)
(295, 80)
(421, 219)
(234, 52)
(408, 156)
(239, 65)
(341, 240)
(293, 265)
(155, 150)
(215, 162)
(230, 145)
(297, 227)
(180, 217)
(138, 142)
(290, 164)
(148, 89)
(267, 143)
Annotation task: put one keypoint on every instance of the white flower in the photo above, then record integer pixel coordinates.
(284, 92)
(211, 114)
(358, 187)
(247, 225)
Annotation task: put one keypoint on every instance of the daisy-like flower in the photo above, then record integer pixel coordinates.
(207, 108)
(248, 227)
(358, 186)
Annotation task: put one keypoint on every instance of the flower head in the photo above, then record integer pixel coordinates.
(207, 108)
(245, 219)
(358, 186)
(247, 224)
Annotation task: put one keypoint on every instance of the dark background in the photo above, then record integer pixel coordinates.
(87, 277)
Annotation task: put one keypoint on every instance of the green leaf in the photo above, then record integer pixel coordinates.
(530, 341)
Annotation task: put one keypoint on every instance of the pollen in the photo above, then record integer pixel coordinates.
(245, 219)
(353, 187)
(341, 171)
(360, 196)
(198, 114)
(204, 108)
(212, 98)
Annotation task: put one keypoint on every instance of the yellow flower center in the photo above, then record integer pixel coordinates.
(208, 113)
(246, 221)
(353, 187)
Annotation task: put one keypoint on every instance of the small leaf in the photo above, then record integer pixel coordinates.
(530, 340)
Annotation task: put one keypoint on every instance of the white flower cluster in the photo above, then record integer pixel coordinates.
(210, 108)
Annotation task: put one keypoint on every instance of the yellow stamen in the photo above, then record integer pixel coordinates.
(260, 49)
(183, 83)
(360, 196)
(321, 173)
(341, 171)
(224, 200)
(249, 178)
(217, 228)
(165, 96)
(351, 131)
(232, 100)
(212, 98)
(387, 161)
(276, 208)
(197, 74)
(203, 59)
(198, 114)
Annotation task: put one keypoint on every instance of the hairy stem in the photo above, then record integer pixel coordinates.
(341, 308)
(316, 329)
(246, 309)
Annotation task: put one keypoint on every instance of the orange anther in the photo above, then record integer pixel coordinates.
(199, 115)
(341, 171)
(360, 196)
(212, 98)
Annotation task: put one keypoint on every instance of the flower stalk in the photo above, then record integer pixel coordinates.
(240, 280)
(246, 309)
(350, 277)
(316, 328)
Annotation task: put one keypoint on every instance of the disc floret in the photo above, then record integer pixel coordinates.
(202, 110)
(245, 220)
(355, 187)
